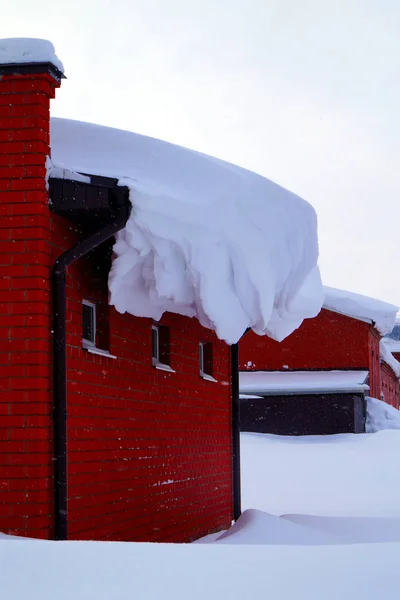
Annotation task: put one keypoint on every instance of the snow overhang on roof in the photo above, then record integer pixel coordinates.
(273, 383)
(205, 238)
(392, 345)
(363, 308)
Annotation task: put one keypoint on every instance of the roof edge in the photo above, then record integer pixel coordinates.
(33, 68)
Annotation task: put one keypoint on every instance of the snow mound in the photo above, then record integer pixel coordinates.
(381, 416)
(352, 530)
(205, 238)
(382, 314)
(388, 357)
(16, 51)
(257, 527)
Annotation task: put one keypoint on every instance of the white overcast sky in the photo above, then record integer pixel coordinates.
(305, 92)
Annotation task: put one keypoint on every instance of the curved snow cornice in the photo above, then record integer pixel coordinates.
(205, 238)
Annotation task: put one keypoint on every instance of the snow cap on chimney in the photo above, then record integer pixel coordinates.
(28, 52)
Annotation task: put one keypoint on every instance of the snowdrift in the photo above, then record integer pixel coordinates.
(258, 527)
(381, 416)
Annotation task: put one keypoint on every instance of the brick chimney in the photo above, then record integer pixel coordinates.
(29, 75)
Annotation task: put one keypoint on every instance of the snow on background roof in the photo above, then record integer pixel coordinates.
(205, 238)
(387, 356)
(392, 341)
(392, 345)
(381, 314)
(293, 382)
(16, 51)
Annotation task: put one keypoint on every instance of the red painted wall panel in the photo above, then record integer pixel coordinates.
(330, 341)
(390, 386)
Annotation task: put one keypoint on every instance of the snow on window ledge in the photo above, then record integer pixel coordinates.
(97, 351)
(163, 367)
(208, 377)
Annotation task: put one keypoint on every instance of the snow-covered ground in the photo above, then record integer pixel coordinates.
(322, 523)
(337, 476)
(110, 571)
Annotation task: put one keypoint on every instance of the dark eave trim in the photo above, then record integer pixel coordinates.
(32, 69)
(85, 203)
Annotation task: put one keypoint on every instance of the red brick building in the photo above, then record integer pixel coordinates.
(389, 385)
(329, 341)
(390, 368)
(140, 413)
(392, 341)
(115, 426)
(332, 341)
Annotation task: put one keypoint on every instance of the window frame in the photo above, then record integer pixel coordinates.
(201, 358)
(89, 345)
(85, 342)
(155, 347)
(206, 370)
(160, 355)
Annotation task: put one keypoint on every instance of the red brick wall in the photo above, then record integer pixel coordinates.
(25, 259)
(389, 386)
(149, 451)
(330, 341)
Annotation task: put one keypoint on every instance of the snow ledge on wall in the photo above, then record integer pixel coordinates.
(17, 51)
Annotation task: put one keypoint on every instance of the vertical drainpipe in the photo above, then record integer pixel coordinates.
(237, 502)
(237, 496)
(60, 356)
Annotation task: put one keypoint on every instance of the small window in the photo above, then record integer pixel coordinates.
(88, 323)
(206, 359)
(155, 344)
(160, 345)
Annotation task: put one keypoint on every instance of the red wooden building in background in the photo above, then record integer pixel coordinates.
(332, 341)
